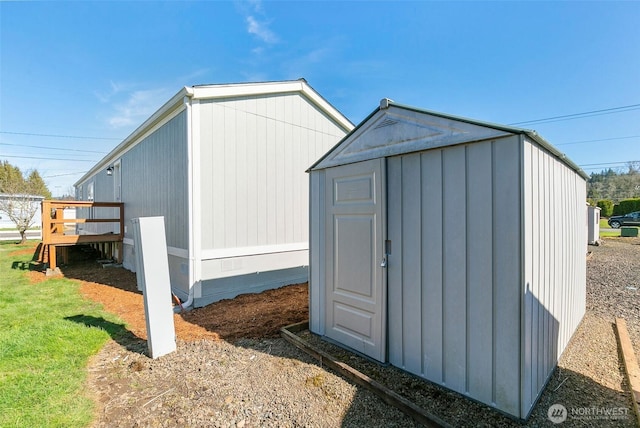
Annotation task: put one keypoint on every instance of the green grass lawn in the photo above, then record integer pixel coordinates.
(47, 334)
(605, 225)
(13, 229)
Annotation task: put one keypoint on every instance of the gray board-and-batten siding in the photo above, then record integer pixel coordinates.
(455, 221)
(484, 289)
(224, 164)
(254, 189)
(153, 177)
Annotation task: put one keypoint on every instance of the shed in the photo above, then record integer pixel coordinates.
(435, 247)
(224, 164)
(593, 225)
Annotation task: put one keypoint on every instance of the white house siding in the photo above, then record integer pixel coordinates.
(453, 274)
(254, 193)
(555, 264)
(254, 187)
(5, 221)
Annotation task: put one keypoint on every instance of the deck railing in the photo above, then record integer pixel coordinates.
(55, 234)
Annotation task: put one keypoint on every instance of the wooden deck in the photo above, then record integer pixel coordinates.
(57, 236)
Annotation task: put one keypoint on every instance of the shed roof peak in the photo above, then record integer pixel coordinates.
(393, 129)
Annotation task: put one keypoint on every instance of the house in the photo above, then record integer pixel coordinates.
(435, 247)
(22, 207)
(225, 165)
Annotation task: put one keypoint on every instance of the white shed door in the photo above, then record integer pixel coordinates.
(356, 276)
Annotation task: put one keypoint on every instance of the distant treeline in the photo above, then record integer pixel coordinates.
(616, 193)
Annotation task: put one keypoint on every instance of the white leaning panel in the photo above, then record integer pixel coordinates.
(152, 273)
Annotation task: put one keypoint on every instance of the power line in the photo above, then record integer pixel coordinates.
(581, 115)
(59, 136)
(62, 175)
(54, 159)
(599, 168)
(595, 141)
(52, 148)
(608, 163)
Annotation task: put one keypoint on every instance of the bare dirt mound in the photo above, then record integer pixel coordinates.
(254, 316)
(246, 316)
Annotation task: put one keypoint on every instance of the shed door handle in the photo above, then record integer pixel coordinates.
(384, 262)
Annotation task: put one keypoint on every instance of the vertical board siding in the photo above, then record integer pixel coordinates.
(507, 286)
(102, 192)
(433, 236)
(454, 213)
(453, 276)
(154, 180)
(254, 155)
(555, 271)
(531, 258)
(154, 183)
(479, 272)
(395, 263)
(411, 264)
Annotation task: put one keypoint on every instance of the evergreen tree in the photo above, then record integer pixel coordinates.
(36, 185)
(10, 177)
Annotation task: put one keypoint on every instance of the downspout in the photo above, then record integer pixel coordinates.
(184, 306)
(192, 259)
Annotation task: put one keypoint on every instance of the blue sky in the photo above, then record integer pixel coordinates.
(99, 69)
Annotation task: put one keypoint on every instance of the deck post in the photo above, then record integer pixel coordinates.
(120, 255)
(46, 222)
(52, 257)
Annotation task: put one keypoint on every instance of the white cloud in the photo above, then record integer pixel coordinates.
(137, 107)
(256, 5)
(256, 20)
(261, 30)
(114, 88)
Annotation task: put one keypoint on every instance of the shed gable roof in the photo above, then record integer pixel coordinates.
(394, 129)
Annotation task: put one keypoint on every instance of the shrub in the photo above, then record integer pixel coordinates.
(606, 207)
(627, 206)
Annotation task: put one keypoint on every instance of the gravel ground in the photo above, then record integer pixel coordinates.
(265, 383)
(268, 382)
(613, 283)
